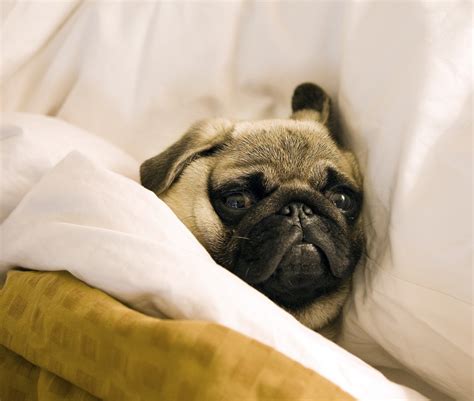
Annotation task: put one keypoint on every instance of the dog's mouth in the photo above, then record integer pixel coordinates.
(302, 276)
(293, 262)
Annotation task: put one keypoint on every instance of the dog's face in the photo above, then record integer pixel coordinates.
(276, 202)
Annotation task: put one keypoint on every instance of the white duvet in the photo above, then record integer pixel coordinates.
(137, 74)
(112, 233)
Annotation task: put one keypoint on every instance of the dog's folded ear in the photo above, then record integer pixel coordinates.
(202, 139)
(310, 102)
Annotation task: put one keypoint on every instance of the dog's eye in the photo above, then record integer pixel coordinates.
(343, 201)
(238, 200)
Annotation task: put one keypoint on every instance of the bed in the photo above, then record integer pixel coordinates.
(99, 300)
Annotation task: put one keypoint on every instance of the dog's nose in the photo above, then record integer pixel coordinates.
(295, 209)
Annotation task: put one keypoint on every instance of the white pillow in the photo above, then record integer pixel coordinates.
(147, 70)
(32, 144)
(407, 101)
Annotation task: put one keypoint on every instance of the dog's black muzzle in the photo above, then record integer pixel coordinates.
(294, 255)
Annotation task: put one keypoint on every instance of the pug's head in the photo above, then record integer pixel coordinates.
(276, 202)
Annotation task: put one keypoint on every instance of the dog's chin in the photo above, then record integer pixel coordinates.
(302, 276)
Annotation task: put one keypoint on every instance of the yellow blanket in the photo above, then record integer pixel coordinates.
(63, 340)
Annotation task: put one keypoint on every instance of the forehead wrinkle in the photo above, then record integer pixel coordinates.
(269, 159)
(273, 177)
(290, 151)
(286, 156)
(321, 171)
(225, 173)
(244, 163)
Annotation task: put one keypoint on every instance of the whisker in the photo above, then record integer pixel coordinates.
(244, 238)
(188, 217)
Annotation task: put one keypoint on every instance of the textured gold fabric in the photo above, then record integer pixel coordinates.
(27, 382)
(62, 340)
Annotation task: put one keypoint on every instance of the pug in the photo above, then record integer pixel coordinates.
(276, 202)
